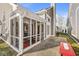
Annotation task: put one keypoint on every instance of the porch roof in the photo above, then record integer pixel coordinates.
(28, 14)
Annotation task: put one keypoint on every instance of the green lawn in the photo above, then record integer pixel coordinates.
(5, 50)
(71, 41)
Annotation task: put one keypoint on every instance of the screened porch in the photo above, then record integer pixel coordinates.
(26, 33)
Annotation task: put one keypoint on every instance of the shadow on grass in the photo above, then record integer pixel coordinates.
(5, 50)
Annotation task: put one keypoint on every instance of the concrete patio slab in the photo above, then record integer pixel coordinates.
(49, 47)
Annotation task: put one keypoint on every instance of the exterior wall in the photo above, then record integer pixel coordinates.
(69, 28)
(74, 19)
(51, 13)
(5, 14)
(44, 14)
(5, 10)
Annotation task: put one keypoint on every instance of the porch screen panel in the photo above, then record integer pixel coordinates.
(42, 31)
(26, 26)
(33, 37)
(14, 23)
(47, 29)
(38, 31)
(26, 32)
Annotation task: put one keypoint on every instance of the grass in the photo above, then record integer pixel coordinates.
(74, 45)
(5, 50)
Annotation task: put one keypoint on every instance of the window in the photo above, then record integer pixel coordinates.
(48, 19)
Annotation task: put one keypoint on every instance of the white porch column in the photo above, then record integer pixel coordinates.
(0, 29)
(36, 31)
(54, 20)
(50, 29)
(40, 31)
(14, 31)
(9, 40)
(44, 31)
(30, 32)
(20, 34)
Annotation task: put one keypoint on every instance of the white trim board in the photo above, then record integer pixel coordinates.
(10, 45)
